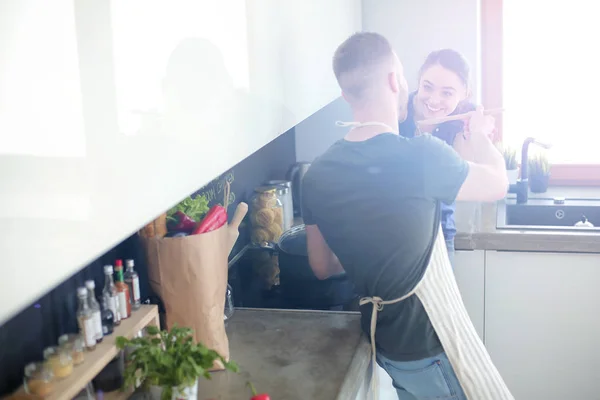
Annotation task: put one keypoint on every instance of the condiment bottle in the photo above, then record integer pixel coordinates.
(59, 360)
(85, 318)
(133, 282)
(38, 379)
(122, 291)
(109, 294)
(95, 307)
(74, 344)
(108, 319)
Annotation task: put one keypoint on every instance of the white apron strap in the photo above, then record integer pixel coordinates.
(354, 125)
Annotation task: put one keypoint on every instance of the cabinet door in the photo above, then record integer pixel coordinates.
(113, 111)
(542, 323)
(469, 270)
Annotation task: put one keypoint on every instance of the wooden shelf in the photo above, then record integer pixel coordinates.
(96, 360)
(118, 395)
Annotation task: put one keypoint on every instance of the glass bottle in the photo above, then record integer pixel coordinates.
(109, 294)
(108, 319)
(85, 318)
(95, 307)
(132, 280)
(122, 292)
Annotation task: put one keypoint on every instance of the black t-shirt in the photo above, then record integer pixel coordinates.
(377, 204)
(447, 132)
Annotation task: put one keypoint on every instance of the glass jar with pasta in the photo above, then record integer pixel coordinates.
(266, 215)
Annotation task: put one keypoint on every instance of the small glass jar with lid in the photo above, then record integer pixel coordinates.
(38, 379)
(59, 360)
(266, 215)
(73, 344)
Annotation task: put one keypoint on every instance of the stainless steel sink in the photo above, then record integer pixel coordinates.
(549, 214)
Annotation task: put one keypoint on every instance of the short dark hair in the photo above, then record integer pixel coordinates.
(355, 56)
(450, 59)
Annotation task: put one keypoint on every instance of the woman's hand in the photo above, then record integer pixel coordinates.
(480, 124)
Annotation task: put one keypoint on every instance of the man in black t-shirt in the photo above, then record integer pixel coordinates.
(371, 205)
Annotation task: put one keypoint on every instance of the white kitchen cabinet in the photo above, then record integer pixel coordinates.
(113, 111)
(542, 323)
(469, 270)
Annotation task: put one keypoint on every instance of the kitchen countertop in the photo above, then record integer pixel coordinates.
(476, 225)
(293, 355)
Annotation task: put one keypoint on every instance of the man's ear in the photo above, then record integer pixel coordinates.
(468, 94)
(393, 82)
(345, 96)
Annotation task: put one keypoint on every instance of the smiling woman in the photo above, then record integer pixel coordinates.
(546, 79)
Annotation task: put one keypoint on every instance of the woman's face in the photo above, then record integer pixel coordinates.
(440, 91)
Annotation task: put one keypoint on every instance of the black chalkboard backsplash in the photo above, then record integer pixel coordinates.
(23, 337)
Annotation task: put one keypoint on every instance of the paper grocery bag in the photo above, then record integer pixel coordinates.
(190, 276)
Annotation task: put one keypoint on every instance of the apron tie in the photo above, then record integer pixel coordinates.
(378, 304)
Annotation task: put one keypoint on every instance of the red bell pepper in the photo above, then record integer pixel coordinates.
(255, 396)
(182, 223)
(214, 219)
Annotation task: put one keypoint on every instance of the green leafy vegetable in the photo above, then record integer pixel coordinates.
(169, 359)
(195, 208)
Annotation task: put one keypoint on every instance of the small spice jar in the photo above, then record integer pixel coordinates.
(59, 360)
(38, 379)
(73, 344)
(266, 215)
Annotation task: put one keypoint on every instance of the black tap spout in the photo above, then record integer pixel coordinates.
(522, 187)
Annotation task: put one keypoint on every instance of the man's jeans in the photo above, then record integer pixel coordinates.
(450, 247)
(427, 379)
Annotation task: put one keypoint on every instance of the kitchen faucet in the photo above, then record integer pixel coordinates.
(521, 188)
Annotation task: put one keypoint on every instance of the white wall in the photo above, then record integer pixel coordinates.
(415, 28)
(96, 138)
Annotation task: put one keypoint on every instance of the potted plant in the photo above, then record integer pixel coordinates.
(539, 173)
(169, 361)
(512, 168)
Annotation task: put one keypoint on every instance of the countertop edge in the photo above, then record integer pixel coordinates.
(533, 241)
(357, 371)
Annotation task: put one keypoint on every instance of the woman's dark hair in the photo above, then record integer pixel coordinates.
(451, 60)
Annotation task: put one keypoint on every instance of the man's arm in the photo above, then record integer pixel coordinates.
(464, 148)
(487, 179)
(322, 260)
(447, 177)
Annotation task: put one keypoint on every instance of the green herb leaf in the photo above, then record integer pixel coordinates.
(121, 342)
(152, 330)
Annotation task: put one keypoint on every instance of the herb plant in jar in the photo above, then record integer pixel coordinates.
(169, 362)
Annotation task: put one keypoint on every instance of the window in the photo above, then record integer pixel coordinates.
(540, 64)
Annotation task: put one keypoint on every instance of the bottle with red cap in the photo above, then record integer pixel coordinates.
(122, 291)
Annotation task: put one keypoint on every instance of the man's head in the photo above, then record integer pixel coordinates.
(370, 73)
